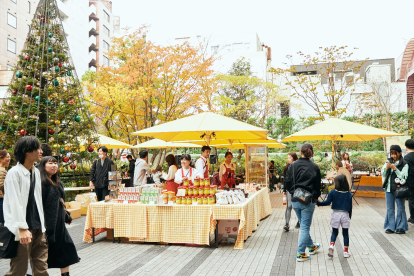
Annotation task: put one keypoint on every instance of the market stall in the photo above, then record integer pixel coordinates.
(186, 224)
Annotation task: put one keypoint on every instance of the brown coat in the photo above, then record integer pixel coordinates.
(3, 173)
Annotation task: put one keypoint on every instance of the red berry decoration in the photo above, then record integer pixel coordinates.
(90, 149)
(58, 32)
(23, 132)
(51, 131)
(28, 87)
(14, 92)
(71, 102)
(60, 64)
(72, 166)
(65, 159)
(27, 58)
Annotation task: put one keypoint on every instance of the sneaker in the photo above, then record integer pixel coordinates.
(331, 251)
(347, 254)
(312, 250)
(286, 227)
(297, 225)
(410, 220)
(389, 231)
(302, 257)
(400, 231)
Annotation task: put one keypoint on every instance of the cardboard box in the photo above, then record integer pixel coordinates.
(228, 227)
(74, 209)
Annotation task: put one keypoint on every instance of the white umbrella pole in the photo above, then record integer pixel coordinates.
(333, 152)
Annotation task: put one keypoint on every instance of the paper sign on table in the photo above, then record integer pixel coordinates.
(195, 203)
(181, 192)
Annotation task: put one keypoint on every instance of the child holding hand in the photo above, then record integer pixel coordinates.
(341, 199)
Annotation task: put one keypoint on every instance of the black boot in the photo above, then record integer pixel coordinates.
(65, 274)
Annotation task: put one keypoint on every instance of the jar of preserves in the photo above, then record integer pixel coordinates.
(201, 190)
(195, 191)
(186, 182)
(205, 200)
(206, 190)
(199, 200)
(193, 199)
(197, 182)
(214, 199)
(190, 190)
(210, 200)
(178, 200)
(213, 190)
(206, 181)
(202, 182)
(189, 200)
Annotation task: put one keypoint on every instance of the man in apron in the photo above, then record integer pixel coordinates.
(202, 162)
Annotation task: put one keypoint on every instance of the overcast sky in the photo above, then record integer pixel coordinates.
(379, 28)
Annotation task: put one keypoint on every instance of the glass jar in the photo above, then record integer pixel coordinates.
(193, 199)
(186, 182)
(178, 200)
(205, 200)
(190, 190)
(201, 191)
(201, 182)
(206, 190)
(213, 190)
(199, 200)
(206, 181)
(196, 182)
(195, 191)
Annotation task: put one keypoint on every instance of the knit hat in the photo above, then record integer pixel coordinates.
(397, 148)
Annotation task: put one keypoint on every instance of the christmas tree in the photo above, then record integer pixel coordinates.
(45, 97)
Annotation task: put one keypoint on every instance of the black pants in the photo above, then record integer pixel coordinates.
(411, 203)
(101, 193)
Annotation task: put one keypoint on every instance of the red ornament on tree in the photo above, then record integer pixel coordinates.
(90, 149)
(43, 19)
(58, 32)
(14, 92)
(60, 64)
(72, 166)
(65, 159)
(71, 102)
(27, 38)
(28, 87)
(23, 132)
(51, 131)
(27, 58)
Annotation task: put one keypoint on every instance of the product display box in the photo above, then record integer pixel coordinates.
(74, 209)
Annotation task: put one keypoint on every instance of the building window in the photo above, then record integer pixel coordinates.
(106, 16)
(12, 20)
(106, 31)
(28, 6)
(28, 28)
(9, 67)
(106, 45)
(11, 46)
(15, 1)
(106, 61)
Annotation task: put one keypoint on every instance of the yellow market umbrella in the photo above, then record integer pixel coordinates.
(339, 130)
(205, 126)
(228, 142)
(160, 144)
(241, 145)
(111, 143)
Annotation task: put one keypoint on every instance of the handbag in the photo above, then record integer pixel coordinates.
(402, 192)
(150, 180)
(8, 246)
(68, 218)
(300, 195)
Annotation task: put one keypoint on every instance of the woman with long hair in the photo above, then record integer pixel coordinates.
(172, 169)
(395, 173)
(62, 252)
(186, 172)
(4, 163)
(156, 175)
(227, 171)
(305, 176)
(291, 157)
(346, 163)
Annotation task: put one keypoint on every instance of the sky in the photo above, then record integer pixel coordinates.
(378, 28)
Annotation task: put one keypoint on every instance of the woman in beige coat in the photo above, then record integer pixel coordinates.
(4, 163)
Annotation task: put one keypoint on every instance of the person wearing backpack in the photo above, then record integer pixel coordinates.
(303, 181)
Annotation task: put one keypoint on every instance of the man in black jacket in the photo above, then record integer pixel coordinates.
(99, 174)
(131, 168)
(409, 158)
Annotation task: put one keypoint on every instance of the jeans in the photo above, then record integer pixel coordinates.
(304, 214)
(391, 222)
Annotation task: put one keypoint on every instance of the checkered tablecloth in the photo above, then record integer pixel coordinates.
(249, 213)
(100, 216)
(177, 223)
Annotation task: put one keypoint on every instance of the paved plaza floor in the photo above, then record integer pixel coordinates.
(270, 251)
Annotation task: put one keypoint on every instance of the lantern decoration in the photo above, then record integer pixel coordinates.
(1, 128)
(47, 102)
(55, 83)
(50, 49)
(37, 98)
(28, 87)
(67, 148)
(57, 122)
(51, 131)
(19, 74)
(60, 64)
(72, 166)
(50, 34)
(14, 92)
(55, 146)
(23, 132)
(65, 159)
(90, 149)
(69, 73)
(62, 151)
(61, 170)
(78, 118)
(71, 102)
(27, 58)
(89, 126)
